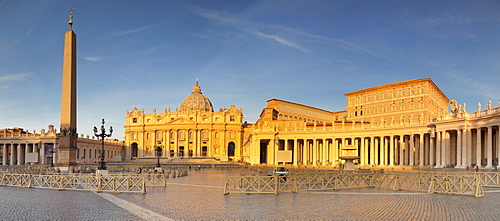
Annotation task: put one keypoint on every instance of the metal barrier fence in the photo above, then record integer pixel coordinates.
(441, 183)
(120, 183)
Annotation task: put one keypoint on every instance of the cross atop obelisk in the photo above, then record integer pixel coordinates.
(71, 17)
(67, 131)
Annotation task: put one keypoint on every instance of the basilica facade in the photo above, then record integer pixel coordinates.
(408, 123)
(194, 130)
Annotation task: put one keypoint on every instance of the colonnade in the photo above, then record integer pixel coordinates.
(17, 153)
(434, 147)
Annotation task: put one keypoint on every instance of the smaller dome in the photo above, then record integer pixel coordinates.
(196, 101)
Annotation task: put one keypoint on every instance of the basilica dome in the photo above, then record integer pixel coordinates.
(196, 102)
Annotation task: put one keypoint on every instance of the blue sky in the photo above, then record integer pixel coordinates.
(148, 54)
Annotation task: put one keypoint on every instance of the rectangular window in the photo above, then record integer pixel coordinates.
(231, 118)
(134, 120)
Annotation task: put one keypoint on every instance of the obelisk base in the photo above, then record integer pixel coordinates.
(67, 153)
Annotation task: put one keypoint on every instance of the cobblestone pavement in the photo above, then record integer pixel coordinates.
(199, 196)
(43, 204)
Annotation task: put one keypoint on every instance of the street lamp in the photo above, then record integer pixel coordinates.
(102, 135)
(158, 150)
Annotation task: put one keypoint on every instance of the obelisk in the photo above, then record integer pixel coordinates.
(67, 134)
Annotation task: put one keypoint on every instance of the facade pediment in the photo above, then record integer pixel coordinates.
(182, 120)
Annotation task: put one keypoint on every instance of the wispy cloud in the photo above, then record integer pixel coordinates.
(246, 26)
(256, 29)
(480, 87)
(135, 30)
(152, 49)
(93, 58)
(282, 41)
(14, 77)
(449, 19)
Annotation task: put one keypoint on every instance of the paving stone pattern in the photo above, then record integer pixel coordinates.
(199, 196)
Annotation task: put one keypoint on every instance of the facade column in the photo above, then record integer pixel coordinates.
(325, 152)
(335, 151)
(367, 150)
(438, 150)
(401, 151)
(387, 150)
(391, 156)
(295, 160)
(166, 146)
(489, 148)
(376, 154)
(411, 143)
(372, 150)
(305, 156)
(421, 149)
(478, 147)
(366, 146)
(383, 151)
(314, 151)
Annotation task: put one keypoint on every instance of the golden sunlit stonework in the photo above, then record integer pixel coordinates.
(193, 130)
(408, 123)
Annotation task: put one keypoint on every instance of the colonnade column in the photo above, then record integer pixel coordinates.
(431, 149)
(366, 156)
(335, 150)
(5, 154)
(391, 156)
(478, 147)
(410, 148)
(489, 148)
(498, 145)
(401, 151)
(382, 151)
(438, 149)
(372, 150)
(305, 156)
(295, 160)
(421, 149)
(459, 149)
(445, 149)
(466, 147)
(325, 151)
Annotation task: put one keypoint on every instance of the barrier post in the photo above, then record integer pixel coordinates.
(143, 185)
(276, 184)
(479, 187)
(99, 183)
(61, 183)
